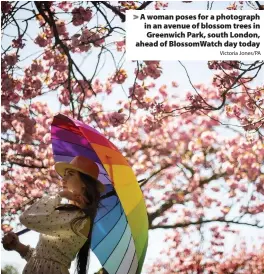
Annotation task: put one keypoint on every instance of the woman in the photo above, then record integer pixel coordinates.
(65, 229)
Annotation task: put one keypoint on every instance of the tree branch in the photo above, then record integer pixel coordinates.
(154, 173)
(114, 10)
(29, 166)
(203, 222)
(144, 5)
(42, 7)
(168, 204)
(259, 6)
(158, 212)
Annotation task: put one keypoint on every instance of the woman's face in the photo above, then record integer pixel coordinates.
(72, 181)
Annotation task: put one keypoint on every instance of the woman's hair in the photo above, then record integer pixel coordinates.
(93, 195)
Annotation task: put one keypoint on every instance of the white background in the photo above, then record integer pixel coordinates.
(136, 32)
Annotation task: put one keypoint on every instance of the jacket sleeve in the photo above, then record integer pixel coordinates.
(43, 218)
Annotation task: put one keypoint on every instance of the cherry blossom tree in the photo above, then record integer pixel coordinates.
(201, 155)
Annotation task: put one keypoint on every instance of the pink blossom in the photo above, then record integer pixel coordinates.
(6, 6)
(193, 145)
(46, 163)
(254, 171)
(58, 78)
(10, 59)
(60, 63)
(82, 86)
(42, 40)
(14, 98)
(198, 158)
(150, 63)
(96, 39)
(150, 125)
(228, 167)
(65, 5)
(59, 66)
(87, 14)
(162, 91)
(116, 118)
(128, 5)
(167, 108)
(120, 45)
(232, 7)
(247, 159)
(119, 77)
(97, 86)
(160, 5)
(36, 193)
(75, 40)
(86, 36)
(17, 43)
(7, 83)
(80, 15)
(84, 48)
(48, 54)
(243, 188)
(226, 65)
(47, 138)
(233, 110)
(137, 91)
(36, 84)
(64, 97)
(108, 87)
(141, 75)
(80, 43)
(208, 138)
(216, 189)
(152, 69)
(61, 28)
(36, 68)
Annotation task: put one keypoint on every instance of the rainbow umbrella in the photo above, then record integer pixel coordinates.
(120, 233)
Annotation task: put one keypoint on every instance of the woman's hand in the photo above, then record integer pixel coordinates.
(10, 241)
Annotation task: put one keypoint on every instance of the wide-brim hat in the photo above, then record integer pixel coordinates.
(83, 165)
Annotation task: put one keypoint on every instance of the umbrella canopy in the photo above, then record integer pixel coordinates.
(120, 233)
